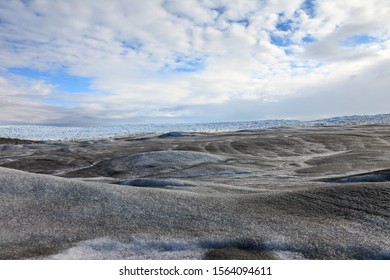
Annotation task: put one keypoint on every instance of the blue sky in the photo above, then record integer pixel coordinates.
(117, 62)
(63, 81)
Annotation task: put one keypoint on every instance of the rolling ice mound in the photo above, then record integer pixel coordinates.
(165, 158)
(174, 134)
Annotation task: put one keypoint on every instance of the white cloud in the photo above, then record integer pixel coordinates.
(145, 57)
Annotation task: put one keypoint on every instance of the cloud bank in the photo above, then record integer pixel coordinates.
(111, 62)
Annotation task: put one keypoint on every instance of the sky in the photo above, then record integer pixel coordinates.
(91, 62)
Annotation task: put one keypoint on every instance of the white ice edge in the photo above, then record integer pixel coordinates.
(57, 133)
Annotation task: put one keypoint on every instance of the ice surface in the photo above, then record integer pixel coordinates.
(251, 194)
(170, 130)
(90, 133)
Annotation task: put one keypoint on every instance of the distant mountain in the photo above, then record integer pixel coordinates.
(352, 120)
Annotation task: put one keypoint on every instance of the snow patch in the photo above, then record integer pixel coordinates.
(105, 249)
